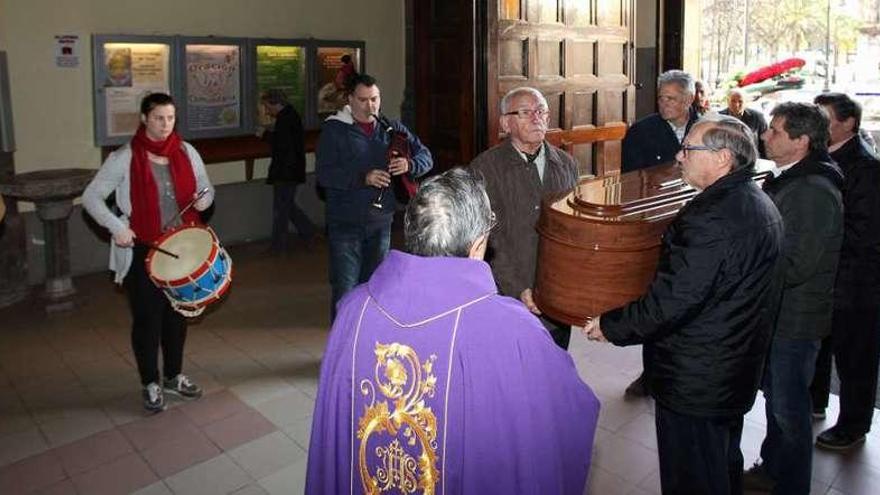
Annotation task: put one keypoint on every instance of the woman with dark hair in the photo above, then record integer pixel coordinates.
(154, 178)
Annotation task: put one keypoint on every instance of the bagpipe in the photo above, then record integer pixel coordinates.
(403, 186)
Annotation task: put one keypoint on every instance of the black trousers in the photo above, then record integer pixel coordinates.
(855, 344)
(560, 332)
(154, 324)
(698, 456)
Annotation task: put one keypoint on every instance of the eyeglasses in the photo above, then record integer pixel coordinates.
(528, 113)
(685, 148)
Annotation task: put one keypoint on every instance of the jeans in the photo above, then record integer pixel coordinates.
(355, 252)
(787, 451)
(284, 208)
(698, 456)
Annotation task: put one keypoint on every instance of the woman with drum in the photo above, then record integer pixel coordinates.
(160, 183)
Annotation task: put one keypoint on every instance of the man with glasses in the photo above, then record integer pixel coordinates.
(656, 138)
(519, 172)
(706, 319)
(806, 188)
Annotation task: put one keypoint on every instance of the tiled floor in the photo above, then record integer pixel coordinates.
(71, 420)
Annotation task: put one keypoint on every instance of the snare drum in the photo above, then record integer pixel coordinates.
(199, 276)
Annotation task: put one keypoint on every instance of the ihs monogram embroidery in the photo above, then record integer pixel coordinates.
(406, 430)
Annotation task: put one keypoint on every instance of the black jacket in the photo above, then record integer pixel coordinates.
(651, 141)
(706, 319)
(288, 163)
(809, 198)
(858, 274)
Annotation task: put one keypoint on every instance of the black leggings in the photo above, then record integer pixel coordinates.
(154, 324)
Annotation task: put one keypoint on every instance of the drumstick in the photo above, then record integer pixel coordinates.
(185, 208)
(152, 245)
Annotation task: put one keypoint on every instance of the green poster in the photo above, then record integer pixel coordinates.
(281, 67)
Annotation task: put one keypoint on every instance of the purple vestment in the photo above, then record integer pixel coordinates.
(433, 383)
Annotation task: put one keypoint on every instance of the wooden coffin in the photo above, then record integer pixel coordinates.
(599, 244)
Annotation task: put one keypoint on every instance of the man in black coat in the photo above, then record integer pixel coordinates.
(707, 316)
(855, 336)
(287, 170)
(752, 118)
(806, 189)
(656, 138)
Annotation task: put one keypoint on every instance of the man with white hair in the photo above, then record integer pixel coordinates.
(519, 172)
(434, 383)
(656, 138)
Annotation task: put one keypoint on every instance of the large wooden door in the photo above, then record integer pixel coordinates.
(580, 55)
(445, 98)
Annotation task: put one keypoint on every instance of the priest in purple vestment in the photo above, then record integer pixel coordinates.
(433, 383)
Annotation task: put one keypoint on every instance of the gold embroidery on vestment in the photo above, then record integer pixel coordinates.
(404, 383)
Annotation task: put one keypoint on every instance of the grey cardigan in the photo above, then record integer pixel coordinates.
(115, 176)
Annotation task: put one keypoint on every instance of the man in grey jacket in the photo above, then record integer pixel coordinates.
(519, 172)
(806, 188)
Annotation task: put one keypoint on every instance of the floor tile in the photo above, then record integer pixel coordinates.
(288, 408)
(300, 432)
(75, 425)
(218, 475)
(238, 429)
(265, 455)
(65, 487)
(121, 476)
(21, 445)
(157, 488)
(602, 482)
(34, 473)
(291, 479)
(93, 451)
(184, 451)
(625, 458)
(162, 428)
(213, 407)
(253, 489)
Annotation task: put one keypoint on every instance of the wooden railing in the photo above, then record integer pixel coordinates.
(234, 149)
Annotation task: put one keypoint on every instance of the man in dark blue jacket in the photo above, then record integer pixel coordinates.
(353, 166)
(707, 316)
(656, 138)
(806, 188)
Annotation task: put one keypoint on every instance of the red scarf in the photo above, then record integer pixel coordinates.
(146, 218)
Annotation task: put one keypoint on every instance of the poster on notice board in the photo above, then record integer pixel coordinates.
(132, 71)
(213, 87)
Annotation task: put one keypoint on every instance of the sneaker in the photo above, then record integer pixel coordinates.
(819, 414)
(756, 479)
(638, 388)
(154, 399)
(181, 385)
(836, 438)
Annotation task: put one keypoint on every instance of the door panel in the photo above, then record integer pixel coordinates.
(579, 54)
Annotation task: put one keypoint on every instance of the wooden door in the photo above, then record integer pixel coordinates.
(444, 69)
(580, 55)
